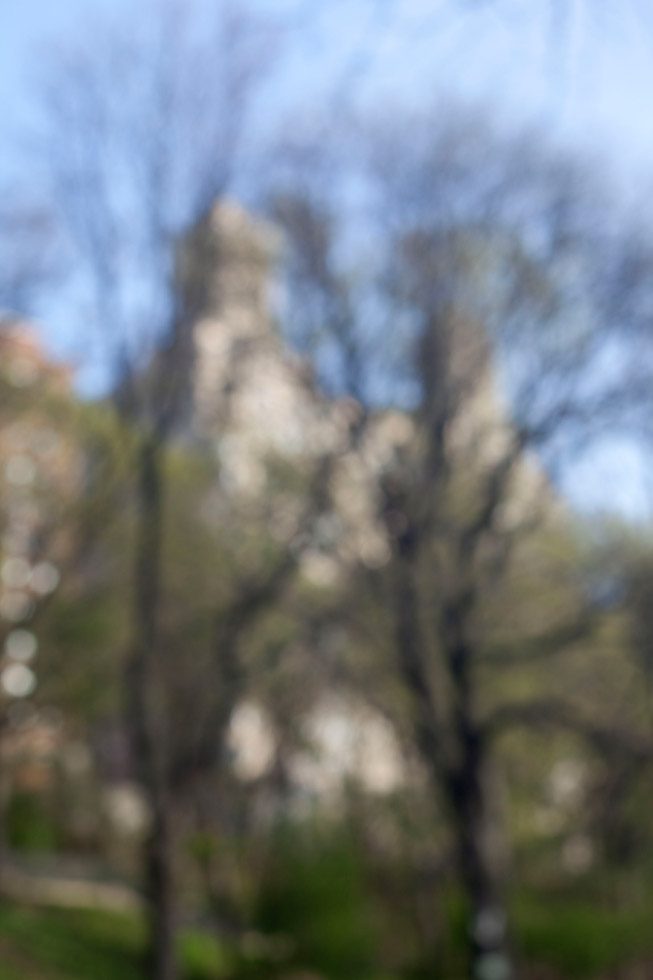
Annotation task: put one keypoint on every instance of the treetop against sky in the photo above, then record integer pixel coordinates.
(581, 73)
(581, 68)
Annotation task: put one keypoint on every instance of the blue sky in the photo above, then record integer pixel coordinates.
(589, 86)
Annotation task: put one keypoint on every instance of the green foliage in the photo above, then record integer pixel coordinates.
(30, 827)
(72, 944)
(581, 940)
(203, 958)
(316, 897)
(317, 902)
(81, 635)
(49, 944)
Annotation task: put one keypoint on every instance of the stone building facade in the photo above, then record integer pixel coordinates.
(252, 398)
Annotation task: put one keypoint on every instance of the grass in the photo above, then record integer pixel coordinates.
(580, 940)
(53, 944)
(574, 938)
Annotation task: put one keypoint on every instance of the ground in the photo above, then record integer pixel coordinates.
(37, 943)
(57, 944)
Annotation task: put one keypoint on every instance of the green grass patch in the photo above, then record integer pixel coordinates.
(57, 944)
(577, 939)
(581, 940)
(73, 944)
(316, 898)
(203, 957)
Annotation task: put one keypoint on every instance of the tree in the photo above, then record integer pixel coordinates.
(49, 526)
(484, 257)
(153, 116)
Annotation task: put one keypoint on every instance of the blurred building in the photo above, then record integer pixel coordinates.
(250, 395)
(251, 398)
(24, 361)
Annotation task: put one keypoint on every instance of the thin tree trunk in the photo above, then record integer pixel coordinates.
(160, 887)
(456, 755)
(481, 871)
(144, 708)
(473, 806)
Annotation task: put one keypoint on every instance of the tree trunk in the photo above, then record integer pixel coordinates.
(452, 744)
(160, 889)
(481, 869)
(472, 802)
(145, 716)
